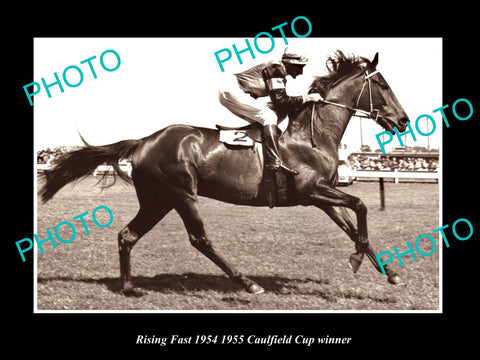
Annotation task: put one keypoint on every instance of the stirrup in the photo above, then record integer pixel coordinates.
(281, 167)
(288, 170)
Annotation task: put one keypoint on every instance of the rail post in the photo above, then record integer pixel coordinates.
(382, 194)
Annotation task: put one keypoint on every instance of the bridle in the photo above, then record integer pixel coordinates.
(372, 114)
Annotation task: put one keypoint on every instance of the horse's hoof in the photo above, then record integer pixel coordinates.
(395, 280)
(355, 261)
(255, 289)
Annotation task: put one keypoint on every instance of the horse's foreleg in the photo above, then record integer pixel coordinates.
(189, 212)
(341, 217)
(328, 198)
(325, 196)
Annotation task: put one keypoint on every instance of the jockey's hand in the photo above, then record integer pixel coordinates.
(315, 97)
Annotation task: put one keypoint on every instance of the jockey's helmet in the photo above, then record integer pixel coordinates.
(292, 56)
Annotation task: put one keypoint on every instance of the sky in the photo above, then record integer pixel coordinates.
(164, 81)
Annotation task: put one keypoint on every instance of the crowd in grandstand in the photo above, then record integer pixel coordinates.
(358, 161)
(365, 162)
(46, 156)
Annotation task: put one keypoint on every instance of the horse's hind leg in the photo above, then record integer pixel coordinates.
(189, 212)
(145, 220)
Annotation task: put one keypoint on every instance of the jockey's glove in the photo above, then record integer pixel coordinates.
(315, 97)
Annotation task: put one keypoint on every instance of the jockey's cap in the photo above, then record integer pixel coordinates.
(294, 57)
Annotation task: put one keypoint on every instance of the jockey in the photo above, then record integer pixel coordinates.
(267, 79)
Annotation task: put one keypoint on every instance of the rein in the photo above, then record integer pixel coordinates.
(372, 114)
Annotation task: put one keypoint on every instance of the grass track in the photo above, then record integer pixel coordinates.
(297, 254)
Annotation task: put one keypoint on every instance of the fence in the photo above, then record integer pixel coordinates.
(100, 170)
(381, 175)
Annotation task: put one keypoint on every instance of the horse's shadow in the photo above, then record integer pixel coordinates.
(188, 282)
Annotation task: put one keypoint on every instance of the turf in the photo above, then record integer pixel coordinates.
(297, 254)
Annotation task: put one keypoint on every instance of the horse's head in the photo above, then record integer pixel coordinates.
(354, 83)
(379, 97)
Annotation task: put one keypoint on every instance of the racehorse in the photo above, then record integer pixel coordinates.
(175, 165)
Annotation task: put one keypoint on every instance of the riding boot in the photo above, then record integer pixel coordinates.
(273, 160)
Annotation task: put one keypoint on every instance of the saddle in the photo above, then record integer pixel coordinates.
(248, 136)
(245, 135)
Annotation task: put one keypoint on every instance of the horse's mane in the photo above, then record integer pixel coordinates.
(338, 65)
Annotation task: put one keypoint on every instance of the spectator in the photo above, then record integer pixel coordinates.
(364, 162)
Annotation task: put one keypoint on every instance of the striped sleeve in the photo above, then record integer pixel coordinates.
(274, 76)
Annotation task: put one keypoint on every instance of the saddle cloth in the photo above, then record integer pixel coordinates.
(245, 135)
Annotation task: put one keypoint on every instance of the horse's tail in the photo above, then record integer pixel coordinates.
(80, 163)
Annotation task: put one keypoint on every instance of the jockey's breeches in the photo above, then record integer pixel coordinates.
(246, 107)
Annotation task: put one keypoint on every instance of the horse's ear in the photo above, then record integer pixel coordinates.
(374, 61)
